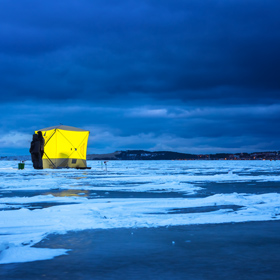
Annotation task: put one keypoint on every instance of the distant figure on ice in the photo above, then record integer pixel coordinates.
(42, 142)
(35, 151)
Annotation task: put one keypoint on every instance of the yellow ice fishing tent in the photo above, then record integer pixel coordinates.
(65, 146)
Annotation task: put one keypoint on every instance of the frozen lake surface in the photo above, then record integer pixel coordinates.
(153, 219)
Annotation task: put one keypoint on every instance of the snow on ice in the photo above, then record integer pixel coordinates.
(34, 204)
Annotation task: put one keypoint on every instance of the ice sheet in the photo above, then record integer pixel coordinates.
(22, 228)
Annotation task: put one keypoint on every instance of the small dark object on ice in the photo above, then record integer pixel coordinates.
(83, 167)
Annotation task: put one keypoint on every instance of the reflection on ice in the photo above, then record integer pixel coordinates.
(67, 193)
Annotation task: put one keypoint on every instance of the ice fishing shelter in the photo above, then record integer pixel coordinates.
(65, 146)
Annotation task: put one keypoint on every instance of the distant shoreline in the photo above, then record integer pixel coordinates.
(168, 155)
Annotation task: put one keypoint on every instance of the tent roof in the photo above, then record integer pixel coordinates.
(62, 127)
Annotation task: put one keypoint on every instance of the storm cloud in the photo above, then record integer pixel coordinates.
(191, 76)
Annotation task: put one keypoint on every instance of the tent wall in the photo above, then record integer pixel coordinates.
(64, 163)
(65, 148)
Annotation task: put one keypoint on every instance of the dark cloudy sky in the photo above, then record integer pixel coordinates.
(195, 76)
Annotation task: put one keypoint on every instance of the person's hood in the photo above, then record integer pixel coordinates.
(35, 137)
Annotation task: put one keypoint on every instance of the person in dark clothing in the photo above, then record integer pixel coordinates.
(35, 151)
(42, 142)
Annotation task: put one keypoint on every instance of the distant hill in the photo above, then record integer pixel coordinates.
(140, 155)
(111, 156)
(146, 155)
(168, 155)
